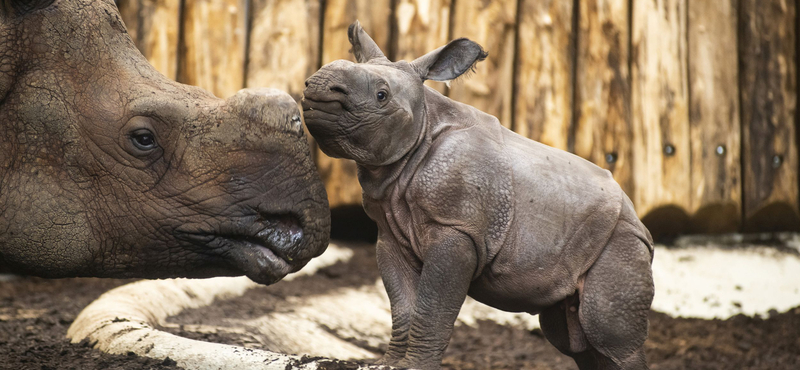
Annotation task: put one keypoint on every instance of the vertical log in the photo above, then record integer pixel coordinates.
(769, 99)
(661, 151)
(543, 99)
(422, 26)
(491, 24)
(603, 131)
(339, 14)
(714, 116)
(212, 55)
(284, 44)
(153, 26)
(341, 176)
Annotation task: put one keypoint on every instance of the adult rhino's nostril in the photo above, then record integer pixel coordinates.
(338, 88)
(282, 232)
(306, 83)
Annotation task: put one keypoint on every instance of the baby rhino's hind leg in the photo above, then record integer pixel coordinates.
(556, 328)
(616, 300)
(604, 326)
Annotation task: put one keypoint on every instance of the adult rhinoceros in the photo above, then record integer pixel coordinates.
(109, 169)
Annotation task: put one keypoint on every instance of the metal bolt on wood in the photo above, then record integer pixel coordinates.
(777, 160)
(669, 150)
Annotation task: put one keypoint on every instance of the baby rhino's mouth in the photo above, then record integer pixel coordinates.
(322, 119)
(262, 250)
(321, 110)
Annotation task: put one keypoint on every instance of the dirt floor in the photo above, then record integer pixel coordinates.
(35, 314)
(34, 317)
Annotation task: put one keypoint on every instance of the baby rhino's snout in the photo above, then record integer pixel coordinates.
(320, 84)
(327, 96)
(329, 83)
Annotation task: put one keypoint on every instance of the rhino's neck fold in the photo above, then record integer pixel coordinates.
(377, 180)
(440, 115)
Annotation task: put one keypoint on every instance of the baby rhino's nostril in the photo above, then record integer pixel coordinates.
(339, 89)
(306, 83)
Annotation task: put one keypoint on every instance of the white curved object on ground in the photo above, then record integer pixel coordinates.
(123, 320)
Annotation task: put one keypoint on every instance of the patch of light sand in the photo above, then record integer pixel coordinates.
(708, 281)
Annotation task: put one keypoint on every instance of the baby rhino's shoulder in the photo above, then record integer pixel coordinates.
(465, 172)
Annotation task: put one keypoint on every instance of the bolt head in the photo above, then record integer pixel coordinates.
(669, 150)
(777, 160)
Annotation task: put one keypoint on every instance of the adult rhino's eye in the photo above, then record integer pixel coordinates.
(382, 95)
(143, 140)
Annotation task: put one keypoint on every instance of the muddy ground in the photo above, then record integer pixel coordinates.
(35, 314)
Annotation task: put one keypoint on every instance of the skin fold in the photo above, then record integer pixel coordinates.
(465, 206)
(109, 169)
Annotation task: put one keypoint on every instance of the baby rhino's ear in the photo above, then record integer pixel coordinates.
(449, 61)
(364, 48)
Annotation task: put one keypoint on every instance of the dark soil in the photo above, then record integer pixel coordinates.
(39, 343)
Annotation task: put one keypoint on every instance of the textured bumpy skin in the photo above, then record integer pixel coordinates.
(467, 207)
(107, 168)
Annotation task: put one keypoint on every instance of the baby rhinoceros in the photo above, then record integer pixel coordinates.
(465, 206)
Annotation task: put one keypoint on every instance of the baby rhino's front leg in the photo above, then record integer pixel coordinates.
(422, 324)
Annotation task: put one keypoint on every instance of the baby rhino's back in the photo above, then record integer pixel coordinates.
(564, 210)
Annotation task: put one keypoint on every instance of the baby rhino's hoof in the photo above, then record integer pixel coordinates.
(406, 364)
(388, 361)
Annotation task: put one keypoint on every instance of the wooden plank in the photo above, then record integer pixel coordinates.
(153, 26)
(374, 16)
(543, 99)
(491, 24)
(714, 117)
(341, 176)
(769, 99)
(661, 151)
(213, 47)
(284, 44)
(422, 26)
(603, 131)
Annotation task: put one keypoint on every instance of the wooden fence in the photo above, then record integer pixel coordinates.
(689, 103)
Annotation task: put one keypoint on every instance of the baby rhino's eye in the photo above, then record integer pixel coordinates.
(382, 95)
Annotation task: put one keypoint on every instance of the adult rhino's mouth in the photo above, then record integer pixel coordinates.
(262, 249)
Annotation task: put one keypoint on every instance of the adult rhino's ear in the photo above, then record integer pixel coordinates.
(364, 48)
(449, 61)
(16, 8)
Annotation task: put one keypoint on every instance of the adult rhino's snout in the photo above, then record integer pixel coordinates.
(271, 201)
(273, 109)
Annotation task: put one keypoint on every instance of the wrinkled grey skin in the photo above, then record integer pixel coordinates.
(467, 207)
(228, 187)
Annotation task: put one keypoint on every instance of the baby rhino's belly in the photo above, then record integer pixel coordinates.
(526, 288)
